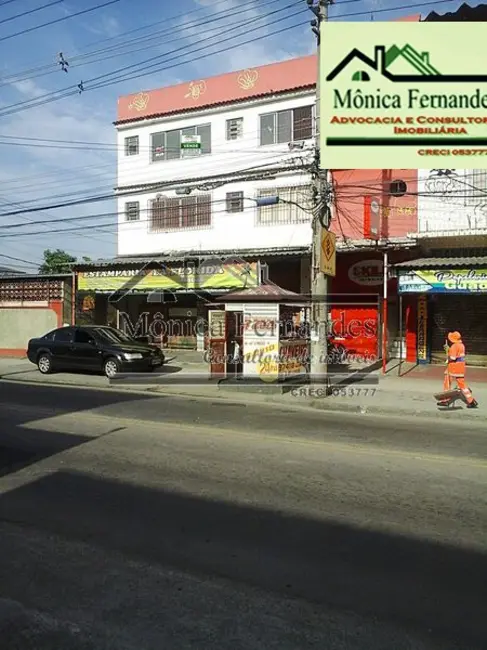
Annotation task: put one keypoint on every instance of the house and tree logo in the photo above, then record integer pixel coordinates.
(423, 71)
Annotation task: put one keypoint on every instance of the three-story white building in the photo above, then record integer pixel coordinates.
(192, 161)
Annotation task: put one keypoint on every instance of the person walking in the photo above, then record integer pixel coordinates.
(456, 368)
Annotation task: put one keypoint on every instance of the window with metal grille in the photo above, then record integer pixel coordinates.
(175, 213)
(132, 145)
(235, 201)
(287, 126)
(475, 186)
(166, 145)
(235, 128)
(132, 211)
(293, 206)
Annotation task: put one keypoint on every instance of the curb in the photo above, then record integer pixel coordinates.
(363, 409)
(325, 404)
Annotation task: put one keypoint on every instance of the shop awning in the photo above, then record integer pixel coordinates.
(441, 262)
(178, 257)
(268, 292)
(433, 275)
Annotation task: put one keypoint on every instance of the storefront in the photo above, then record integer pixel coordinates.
(163, 300)
(447, 295)
(357, 305)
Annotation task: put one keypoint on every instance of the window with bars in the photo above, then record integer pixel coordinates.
(287, 126)
(132, 211)
(175, 213)
(475, 187)
(235, 201)
(132, 145)
(235, 128)
(166, 145)
(292, 207)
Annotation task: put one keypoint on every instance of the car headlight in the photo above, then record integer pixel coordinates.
(132, 356)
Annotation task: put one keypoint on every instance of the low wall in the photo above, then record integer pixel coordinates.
(20, 324)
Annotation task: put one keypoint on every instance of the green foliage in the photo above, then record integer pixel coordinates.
(57, 261)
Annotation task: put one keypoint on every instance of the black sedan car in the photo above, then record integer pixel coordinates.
(95, 348)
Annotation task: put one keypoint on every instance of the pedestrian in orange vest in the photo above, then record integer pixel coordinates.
(456, 368)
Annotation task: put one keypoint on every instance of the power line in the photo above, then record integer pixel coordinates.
(215, 178)
(57, 20)
(84, 86)
(31, 11)
(179, 52)
(52, 68)
(378, 11)
(77, 60)
(305, 186)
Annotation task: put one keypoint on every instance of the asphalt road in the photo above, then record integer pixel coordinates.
(140, 522)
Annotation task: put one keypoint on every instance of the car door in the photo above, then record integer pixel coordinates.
(61, 347)
(86, 355)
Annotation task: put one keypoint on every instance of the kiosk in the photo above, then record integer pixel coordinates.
(259, 334)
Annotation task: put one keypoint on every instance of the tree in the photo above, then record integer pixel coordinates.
(57, 261)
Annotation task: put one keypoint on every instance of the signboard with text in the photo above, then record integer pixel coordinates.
(403, 95)
(223, 276)
(328, 253)
(443, 281)
(422, 340)
(190, 145)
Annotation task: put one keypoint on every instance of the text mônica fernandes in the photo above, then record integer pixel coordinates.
(414, 98)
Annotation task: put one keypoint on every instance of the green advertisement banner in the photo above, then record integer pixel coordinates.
(403, 95)
(443, 281)
(226, 276)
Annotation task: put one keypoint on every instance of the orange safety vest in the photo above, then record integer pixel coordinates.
(456, 360)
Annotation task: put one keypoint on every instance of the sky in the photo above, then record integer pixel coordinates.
(36, 173)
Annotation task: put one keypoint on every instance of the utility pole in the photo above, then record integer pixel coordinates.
(319, 281)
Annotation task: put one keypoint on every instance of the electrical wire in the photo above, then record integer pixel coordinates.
(74, 61)
(378, 11)
(31, 11)
(62, 93)
(28, 30)
(156, 186)
(339, 201)
(51, 67)
(126, 225)
(73, 90)
(222, 168)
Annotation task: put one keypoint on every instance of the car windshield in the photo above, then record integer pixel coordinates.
(111, 334)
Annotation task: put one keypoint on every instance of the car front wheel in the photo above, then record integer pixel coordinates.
(44, 363)
(111, 367)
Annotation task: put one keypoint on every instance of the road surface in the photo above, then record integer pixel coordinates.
(142, 522)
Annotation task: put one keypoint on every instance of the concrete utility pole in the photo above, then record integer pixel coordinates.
(319, 281)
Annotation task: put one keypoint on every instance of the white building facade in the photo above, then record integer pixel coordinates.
(173, 200)
(193, 159)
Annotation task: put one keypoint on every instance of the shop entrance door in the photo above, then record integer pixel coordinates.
(234, 343)
(217, 343)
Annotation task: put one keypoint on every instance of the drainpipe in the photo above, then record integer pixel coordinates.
(384, 314)
(73, 298)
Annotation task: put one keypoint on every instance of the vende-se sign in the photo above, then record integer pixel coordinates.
(401, 96)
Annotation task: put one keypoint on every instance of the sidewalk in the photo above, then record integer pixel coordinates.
(186, 375)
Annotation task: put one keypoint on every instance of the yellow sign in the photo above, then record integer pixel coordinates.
(328, 253)
(268, 366)
(398, 95)
(422, 329)
(224, 276)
